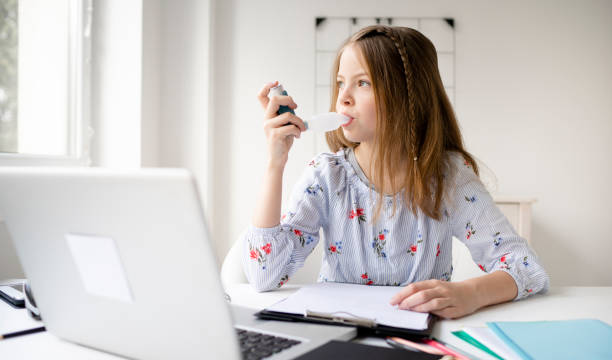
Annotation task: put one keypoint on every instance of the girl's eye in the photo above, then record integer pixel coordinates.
(360, 83)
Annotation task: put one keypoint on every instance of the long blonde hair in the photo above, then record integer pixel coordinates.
(415, 120)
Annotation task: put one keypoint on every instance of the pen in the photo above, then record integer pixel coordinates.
(413, 346)
(23, 332)
(456, 349)
(397, 345)
(445, 349)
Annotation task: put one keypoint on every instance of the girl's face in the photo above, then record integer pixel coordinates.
(356, 97)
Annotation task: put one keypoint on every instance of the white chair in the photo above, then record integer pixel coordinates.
(517, 210)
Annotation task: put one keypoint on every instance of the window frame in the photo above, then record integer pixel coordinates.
(79, 96)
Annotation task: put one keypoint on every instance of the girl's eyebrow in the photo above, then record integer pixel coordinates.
(356, 75)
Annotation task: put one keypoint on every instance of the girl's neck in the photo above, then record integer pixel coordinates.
(364, 153)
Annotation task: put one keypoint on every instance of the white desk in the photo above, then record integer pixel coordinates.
(559, 304)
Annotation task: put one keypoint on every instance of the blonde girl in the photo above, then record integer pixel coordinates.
(395, 189)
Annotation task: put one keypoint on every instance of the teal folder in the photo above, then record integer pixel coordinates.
(567, 339)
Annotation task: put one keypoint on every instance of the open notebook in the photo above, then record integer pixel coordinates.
(350, 304)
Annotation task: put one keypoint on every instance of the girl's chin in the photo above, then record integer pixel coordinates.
(354, 137)
(350, 136)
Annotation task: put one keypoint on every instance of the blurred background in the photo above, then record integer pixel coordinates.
(160, 83)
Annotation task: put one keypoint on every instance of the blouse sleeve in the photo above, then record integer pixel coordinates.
(272, 255)
(491, 239)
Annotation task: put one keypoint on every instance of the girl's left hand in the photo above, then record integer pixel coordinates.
(443, 298)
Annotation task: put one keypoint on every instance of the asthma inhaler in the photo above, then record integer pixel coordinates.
(278, 90)
(318, 123)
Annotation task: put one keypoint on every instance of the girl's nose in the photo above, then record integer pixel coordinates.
(345, 98)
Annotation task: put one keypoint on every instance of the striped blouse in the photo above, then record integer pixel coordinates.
(333, 195)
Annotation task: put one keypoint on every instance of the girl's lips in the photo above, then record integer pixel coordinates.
(348, 123)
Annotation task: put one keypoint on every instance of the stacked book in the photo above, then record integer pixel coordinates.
(526, 340)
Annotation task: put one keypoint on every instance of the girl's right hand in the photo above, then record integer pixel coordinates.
(280, 137)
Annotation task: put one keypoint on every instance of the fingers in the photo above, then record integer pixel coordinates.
(434, 304)
(283, 119)
(274, 104)
(284, 131)
(263, 94)
(412, 289)
(420, 298)
(405, 292)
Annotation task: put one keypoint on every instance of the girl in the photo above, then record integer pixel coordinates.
(396, 189)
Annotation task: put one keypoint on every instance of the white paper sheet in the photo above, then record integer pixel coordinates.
(490, 340)
(370, 302)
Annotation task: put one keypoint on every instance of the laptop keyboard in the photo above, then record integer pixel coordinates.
(254, 345)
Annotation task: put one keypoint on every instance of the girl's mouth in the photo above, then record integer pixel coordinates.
(348, 123)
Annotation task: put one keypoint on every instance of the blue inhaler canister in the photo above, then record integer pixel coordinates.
(279, 91)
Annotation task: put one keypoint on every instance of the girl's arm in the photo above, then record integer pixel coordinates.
(494, 288)
(280, 139)
(273, 254)
(513, 269)
(267, 214)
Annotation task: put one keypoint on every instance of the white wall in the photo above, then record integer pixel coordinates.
(176, 126)
(116, 83)
(533, 98)
(533, 92)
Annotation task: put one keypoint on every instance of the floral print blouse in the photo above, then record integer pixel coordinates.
(333, 197)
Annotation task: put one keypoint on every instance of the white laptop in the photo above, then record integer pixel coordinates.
(120, 261)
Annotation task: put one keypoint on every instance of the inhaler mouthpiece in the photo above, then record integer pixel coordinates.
(326, 122)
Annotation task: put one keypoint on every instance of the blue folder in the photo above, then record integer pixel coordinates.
(567, 339)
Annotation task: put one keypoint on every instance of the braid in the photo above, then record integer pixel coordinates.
(388, 31)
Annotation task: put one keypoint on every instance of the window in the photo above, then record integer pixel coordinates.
(8, 76)
(44, 81)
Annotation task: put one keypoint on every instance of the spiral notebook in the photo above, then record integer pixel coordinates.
(366, 307)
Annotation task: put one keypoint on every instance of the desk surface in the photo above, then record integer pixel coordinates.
(561, 303)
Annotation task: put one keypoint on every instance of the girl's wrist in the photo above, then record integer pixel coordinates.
(474, 292)
(493, 288)
(475, 286)
(276, 166)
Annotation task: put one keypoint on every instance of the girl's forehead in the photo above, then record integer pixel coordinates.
(351, 61)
